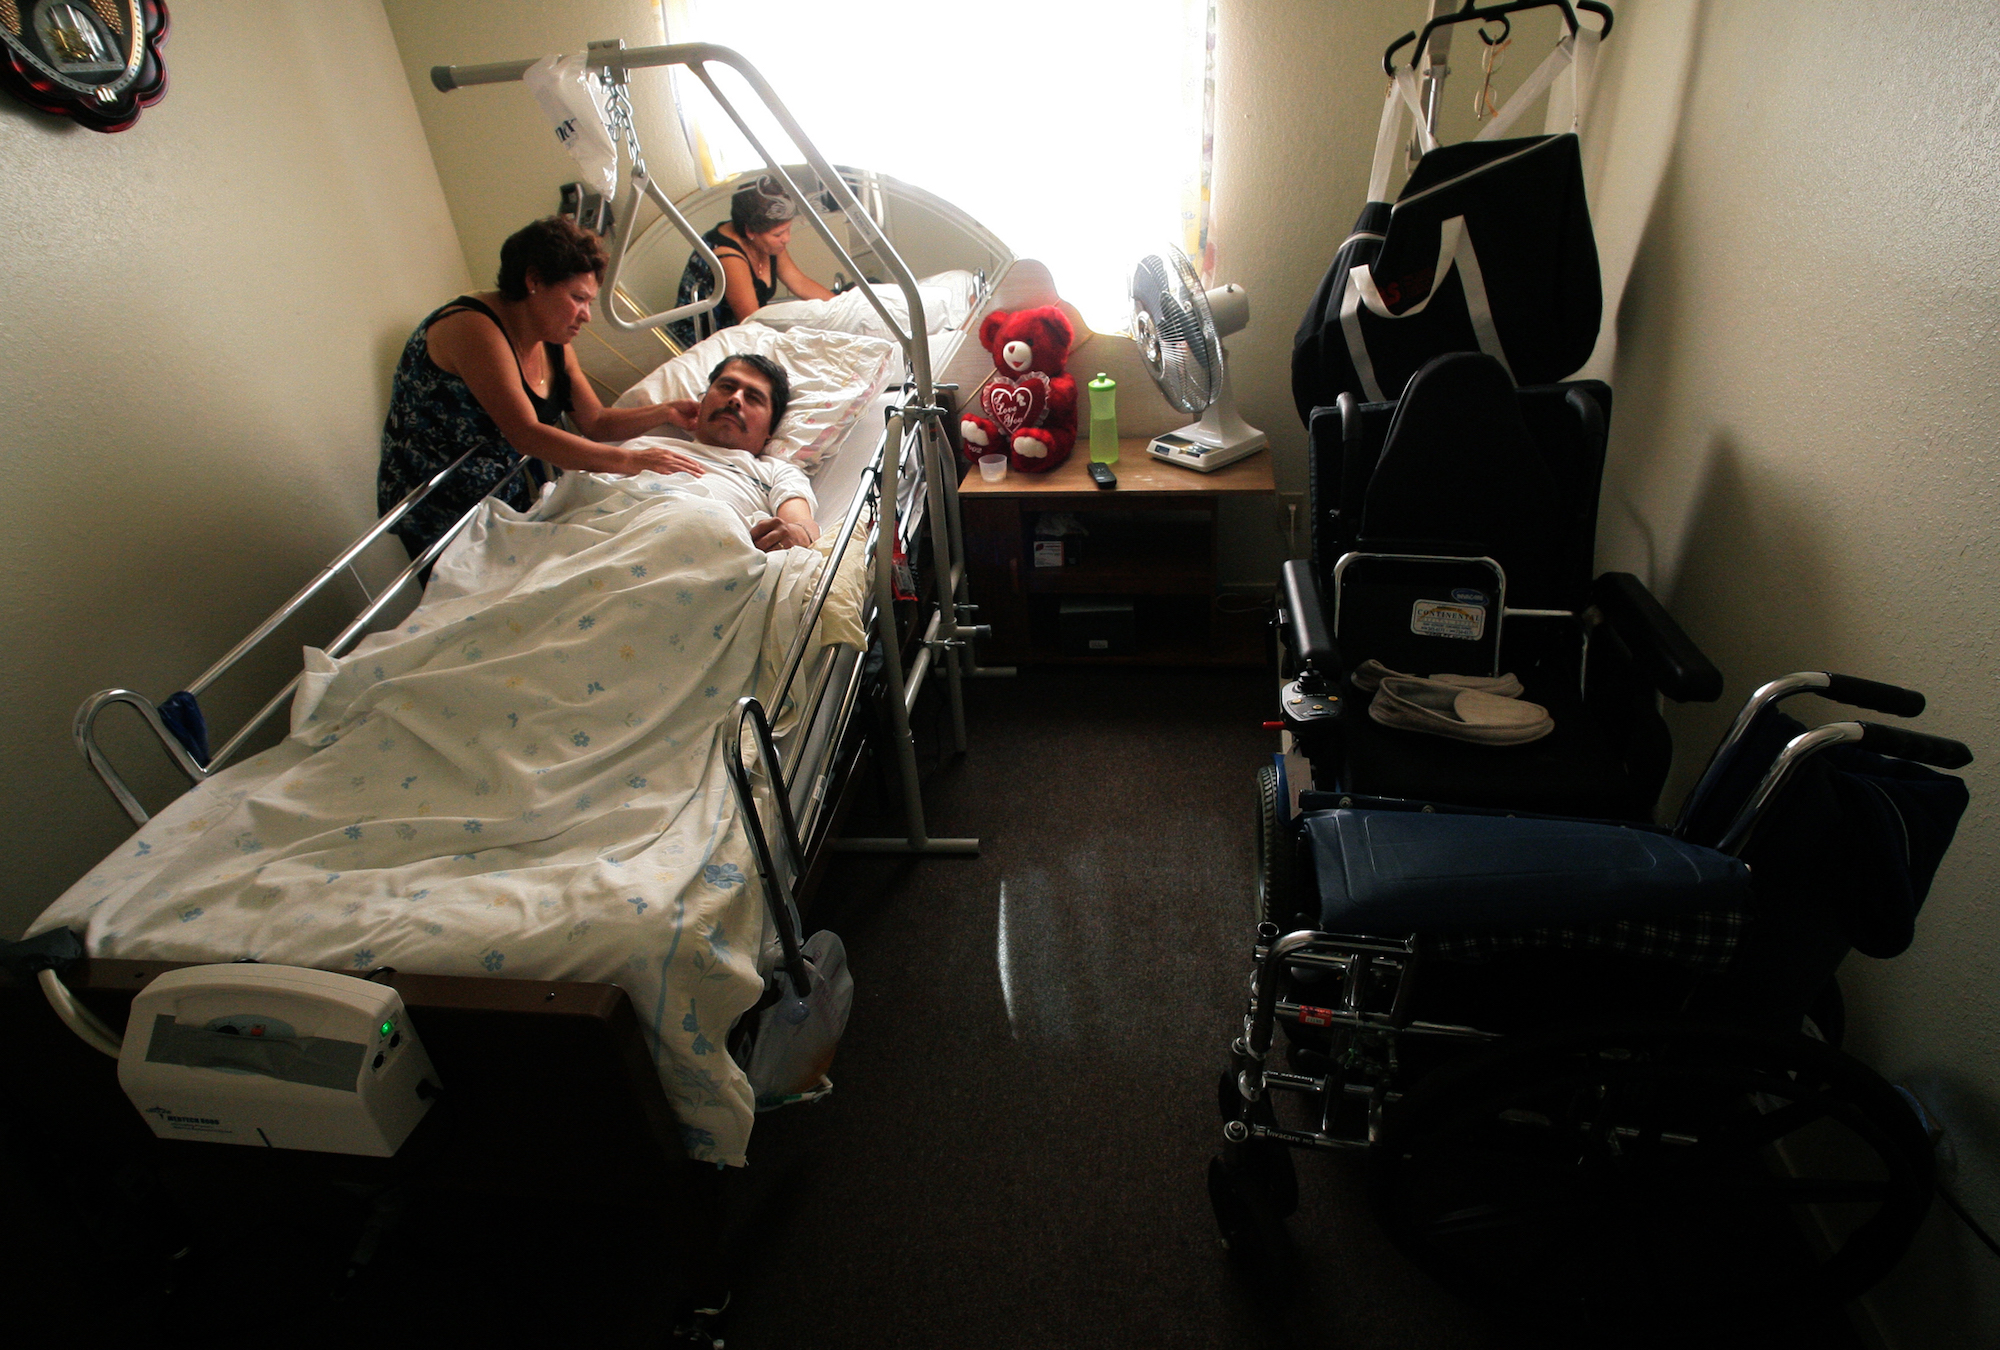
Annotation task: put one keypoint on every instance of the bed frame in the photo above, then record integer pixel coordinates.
(544, 1072)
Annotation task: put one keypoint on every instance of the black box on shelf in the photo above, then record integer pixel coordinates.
(1095, 627)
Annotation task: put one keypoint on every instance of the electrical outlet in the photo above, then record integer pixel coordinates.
(1291, 520)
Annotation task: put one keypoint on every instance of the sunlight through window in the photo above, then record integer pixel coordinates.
(1073, 129)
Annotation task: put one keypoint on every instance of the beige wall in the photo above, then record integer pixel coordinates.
(1803, 462)
(496, 155)
(1298, 93)
(202, 313)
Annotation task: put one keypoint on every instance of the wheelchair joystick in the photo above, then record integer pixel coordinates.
(1307, 700)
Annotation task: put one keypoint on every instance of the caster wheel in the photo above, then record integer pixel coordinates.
(1266, 1164)
(700, 1328)
(1259, 1248)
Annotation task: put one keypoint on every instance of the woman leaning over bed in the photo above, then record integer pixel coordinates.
(493, 373)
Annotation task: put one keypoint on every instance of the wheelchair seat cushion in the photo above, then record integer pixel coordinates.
(1392, 873)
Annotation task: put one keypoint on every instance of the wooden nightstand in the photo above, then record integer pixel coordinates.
(1151, 543)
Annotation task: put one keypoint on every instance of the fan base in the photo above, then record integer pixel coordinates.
(1204, 455)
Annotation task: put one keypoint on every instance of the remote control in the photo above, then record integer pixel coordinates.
(1101, 475)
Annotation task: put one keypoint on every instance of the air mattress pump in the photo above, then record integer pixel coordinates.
(276, 1057)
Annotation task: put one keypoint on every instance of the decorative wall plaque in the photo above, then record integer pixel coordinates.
(97, 61)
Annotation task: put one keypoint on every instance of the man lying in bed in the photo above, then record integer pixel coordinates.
(730, 428)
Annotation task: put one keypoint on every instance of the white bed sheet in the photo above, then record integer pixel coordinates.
(526, 778)
(948, 298)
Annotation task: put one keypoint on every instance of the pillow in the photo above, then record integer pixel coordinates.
(948, 302)
(834, 376)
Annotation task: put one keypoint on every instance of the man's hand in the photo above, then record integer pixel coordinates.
(662, 460)
(771, 534)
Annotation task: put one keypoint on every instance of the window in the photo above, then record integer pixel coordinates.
(1073, 129)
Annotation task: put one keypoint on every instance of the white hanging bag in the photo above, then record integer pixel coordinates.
(571, 97)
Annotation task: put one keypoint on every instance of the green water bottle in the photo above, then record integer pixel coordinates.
(1103, 419)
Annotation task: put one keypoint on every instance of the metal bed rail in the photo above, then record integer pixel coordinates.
(83, 728)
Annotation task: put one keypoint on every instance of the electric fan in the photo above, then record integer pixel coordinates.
(1179, 329)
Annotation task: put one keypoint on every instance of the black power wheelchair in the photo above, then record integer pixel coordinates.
(1573, 1044)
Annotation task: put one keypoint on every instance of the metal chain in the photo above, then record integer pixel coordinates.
(619, 106)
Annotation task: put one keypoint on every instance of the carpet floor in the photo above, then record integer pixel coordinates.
(1014, 1153)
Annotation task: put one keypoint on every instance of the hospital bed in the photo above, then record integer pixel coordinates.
(538, 1059)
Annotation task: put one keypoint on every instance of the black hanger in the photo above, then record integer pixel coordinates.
(1470, 13)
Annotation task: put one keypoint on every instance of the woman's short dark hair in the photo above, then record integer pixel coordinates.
(761, 206)
(774, 375)
(555, 248)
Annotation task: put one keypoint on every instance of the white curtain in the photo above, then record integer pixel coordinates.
(1076, 130)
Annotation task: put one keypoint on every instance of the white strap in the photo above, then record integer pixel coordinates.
(1357, 343)
(1567, 102)
(1530, 90)
(1402, 90)
(1406, 84)
(1476, 307)
(1385, 145)
(1454, 246)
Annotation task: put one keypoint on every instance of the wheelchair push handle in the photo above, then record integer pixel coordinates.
(1939, 752)
(1896, 742)
(1875, 696)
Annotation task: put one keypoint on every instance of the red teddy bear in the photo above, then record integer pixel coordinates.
(1029, 403)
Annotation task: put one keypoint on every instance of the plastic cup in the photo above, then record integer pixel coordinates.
(993, 468)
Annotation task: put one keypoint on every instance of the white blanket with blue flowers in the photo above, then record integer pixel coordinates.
(526, 778)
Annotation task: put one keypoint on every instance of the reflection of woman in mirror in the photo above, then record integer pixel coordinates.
(751, 247)
(493, 374)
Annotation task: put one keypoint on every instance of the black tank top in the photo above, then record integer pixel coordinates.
(697, 282)
(549, 408)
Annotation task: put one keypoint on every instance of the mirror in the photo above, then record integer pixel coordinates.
(931, 235)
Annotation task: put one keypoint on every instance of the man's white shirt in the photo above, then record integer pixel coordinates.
(755, 485)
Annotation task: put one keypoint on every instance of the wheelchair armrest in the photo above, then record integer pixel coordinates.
(1665, 653)
(1306, 619)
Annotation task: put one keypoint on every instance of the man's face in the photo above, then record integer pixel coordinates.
(736, 410)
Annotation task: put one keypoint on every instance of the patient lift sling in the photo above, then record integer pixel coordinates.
(1488, 247)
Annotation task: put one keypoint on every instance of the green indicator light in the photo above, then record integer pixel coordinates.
(388, 1027)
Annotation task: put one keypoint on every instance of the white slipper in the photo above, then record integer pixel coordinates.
(1368, 676)
(1461, 714)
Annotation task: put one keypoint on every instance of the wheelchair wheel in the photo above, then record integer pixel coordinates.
(1253, 1233)
(1277, 854)
(1662, 1170)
